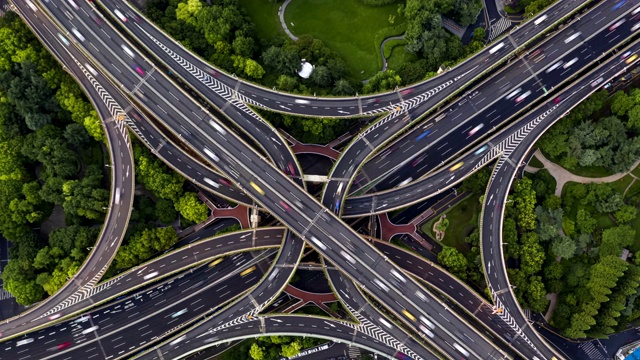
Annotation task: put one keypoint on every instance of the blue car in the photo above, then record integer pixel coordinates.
(618, 5)
(421, 136)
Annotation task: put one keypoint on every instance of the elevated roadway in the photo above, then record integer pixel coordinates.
(259, 179)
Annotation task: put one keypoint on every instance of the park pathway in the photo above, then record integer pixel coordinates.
(563, 175)
(283, 23)
(384, 59)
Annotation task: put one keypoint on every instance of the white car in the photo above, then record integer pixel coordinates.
(32, 5)
(385, 322)
(426, 322)
(77, 34)
(513, 93)
(554, 66)
(120, 15)
(211, 154)
(348, 257)
(381, 285)
(24, 342)
(90, 330)
(128, 51)
(318, 243)
(91, 69)
(572, 37)
(569, 63)
(475, 129)
(212, 183)
(218, 128)
(63, 39)
(597, 82)
(397, 275)
(150, 275)
(522, 97)
(301, 101)
(73, 4)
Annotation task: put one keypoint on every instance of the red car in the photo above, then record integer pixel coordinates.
(284, 205)
(406, 91)
(64, 345)
(292, 170)
(226, 182)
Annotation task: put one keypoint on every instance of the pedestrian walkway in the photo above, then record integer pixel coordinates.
(384, 59)
(502, 25)
(389, 229)
(563, 175)
(240, 212)
(301, 148)
(306, 297)
(283, 23)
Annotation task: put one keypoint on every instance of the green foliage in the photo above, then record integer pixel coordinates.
(453, 261)
(524, 198)
(191, 208)
(143, 244)
(155, 176)
(382, 81)
(165, 211)
(626, 213)
(228, 229)
(477, 183)
(615, 239)
(309, 130)
(85, 197)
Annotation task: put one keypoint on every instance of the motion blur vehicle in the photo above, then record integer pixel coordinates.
(256, 188)
(73, 4)
(348, 257)
(513, 93)
(24, 341)
(32, 5)
(616, 24)
(481, 150)
(91, 69)
(150, 275)
(521, 98)
(597, 82)
(248, 271)
(211, 182)
(216, 262)
(90, 330)
(127, 51)
(301, 101)
(456, 166)
(618, 5)
(218, 128)
(54, 316)
(120, 15)
(408, 315)
(569, 63)
(385, 322)
(406, 91)
(631, 59)
(318, 243)
(422, 136)
(77, 34)
(63, 39)
(285, 206)
(178, 313)
(554, 66)
(572, 37)
(475, 129)
(138, 69)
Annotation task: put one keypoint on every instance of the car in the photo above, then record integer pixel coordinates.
(456, 166)
(178, 313)
(339, 189)
(97, 19)
(481, 150)
(385, 323)
(557, 100)
(618, 5)
(636, 11)
(211, 182)
(73, 4)
(90, 330)
(569, 63)
(423, 135)
(285, 206)
(54, 316)
(476, 129)
(426, 322)
(138, 69)
(211, 154)
(631, 59)
(150, 275)
(380, 284)
(520, 98)
(554, 66)
(496, 48)
(32, 5)
(256, 188)
(597, 82)
(127, 51)
(625, 55)
(635, 27)
(225, 181)
(426, 331)
(77, 34)
(513, 93)
(616, 24)
(398, 276)
(178, 340)
(421, 296)
(63, 39)
(24, 341)
(417, 161)
(91, 69)
(348, 257)
(404, 182)
(540, 19)
(215, 262)
(292, 170)
(301, 101)
(337, 205)
(572, 37)
(120, 15)
(218, 128)
(318, 243)
(408, 315)
(64, 345)
(406, 91)
(248, 271)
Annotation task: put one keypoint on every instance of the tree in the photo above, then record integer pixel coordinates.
(563, 247)
(454, 261)
(621, 103)
(282, 61)
(256, 352)
(85, 197)
(155, 176)
(536, 294)
(291, 349)
(321, 76)
(343, 87)
(615, 239)
(243, 46)
(525, 200)
(286, 83)
(188, 10)
(76, 135)
(165, 211)
(626, 213)
(531, 254)
(585, 223)
(253, 69)
(384, 80)
(192, 208)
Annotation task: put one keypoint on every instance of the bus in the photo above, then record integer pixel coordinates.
(247, 271)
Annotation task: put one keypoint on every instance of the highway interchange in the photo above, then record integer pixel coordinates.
(235, 144)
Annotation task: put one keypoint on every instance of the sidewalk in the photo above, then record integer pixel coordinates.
(284, 24)
(300, 148)
(240, 212)
(563, 176)
(308, 297)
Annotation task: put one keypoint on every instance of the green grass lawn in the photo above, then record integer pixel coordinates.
(391, 44)
(535, 162)
(591, 171)
(265, 16)
(463, 218)
(633, 190)
(397, 58)
(636, 171)
(348, 27)
(621, 184)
